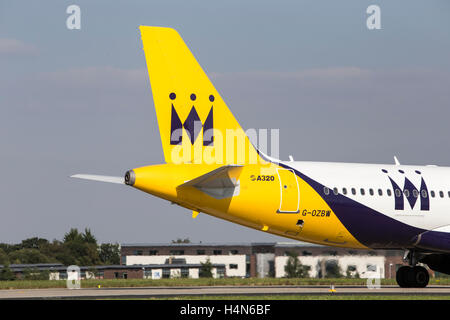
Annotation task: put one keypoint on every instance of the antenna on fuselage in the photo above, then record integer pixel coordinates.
(397, 163)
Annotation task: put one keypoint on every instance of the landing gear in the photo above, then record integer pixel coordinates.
(412, 277)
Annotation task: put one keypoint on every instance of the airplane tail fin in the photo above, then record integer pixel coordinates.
(194, 122)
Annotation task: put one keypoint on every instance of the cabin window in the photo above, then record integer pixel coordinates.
(362, 191)
(449, 194)
(441, 194)
(415, 193)
(354, 191)
(398, 193)
(335, 191)
(432, 193)
(424, 194)
(406, 192)
(371, 191)
(344, 190)
(380, 192)
(389, 192)
(326, 190)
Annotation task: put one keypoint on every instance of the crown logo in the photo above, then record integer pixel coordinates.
(192, 125)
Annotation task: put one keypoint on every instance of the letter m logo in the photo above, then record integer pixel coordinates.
(412, 194)
(193, 125)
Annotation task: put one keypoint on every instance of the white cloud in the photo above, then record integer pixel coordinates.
(89, 87)
(14, 47)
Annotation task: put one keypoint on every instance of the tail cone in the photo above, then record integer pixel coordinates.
(130, 177)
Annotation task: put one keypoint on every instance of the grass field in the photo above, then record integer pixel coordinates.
(121, 283)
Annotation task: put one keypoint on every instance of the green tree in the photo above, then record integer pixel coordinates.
(6, 273)
(109, 253)
(8, 248)
(73, 236)
(81, 247)
(294, 268)
(4, 259)
(28, 256)
(36, 274)
(76, 248)
(205, 269)
(88, 237)
(84, 254)
(60, 252)
(34, 243)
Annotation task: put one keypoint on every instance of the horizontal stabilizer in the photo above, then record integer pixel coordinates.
(109, 179)
(220, 183)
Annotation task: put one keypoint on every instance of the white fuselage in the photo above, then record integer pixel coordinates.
(348, 177)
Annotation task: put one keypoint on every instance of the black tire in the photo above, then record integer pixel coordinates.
(421, 277)
(402, 276)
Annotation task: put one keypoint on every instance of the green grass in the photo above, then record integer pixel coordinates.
(118, 283)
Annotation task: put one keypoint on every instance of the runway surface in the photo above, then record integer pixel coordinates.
(148, 292)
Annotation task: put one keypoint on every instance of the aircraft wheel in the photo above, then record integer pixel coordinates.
(412, 277)
(402, 276)
(421, 277)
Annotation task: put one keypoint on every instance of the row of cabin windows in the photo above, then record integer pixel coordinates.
(397, 192)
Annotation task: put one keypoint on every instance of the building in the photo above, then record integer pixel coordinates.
(169, 269)
(235, 257)
(365, 263)
(267, 259)
(162, 260)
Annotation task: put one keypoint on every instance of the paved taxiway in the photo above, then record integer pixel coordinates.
(222, 290)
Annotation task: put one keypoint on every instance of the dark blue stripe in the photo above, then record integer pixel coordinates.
(434, 241)
(411, 188)
(370, 227)
(208, 127)
(374, 229)
(398, 195)
(175, 128)
(424, 201)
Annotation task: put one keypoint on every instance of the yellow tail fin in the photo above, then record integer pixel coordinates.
(195, 124)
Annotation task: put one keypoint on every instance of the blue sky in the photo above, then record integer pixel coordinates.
(79, 100)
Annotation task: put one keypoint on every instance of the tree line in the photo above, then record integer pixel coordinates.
(76, 248)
